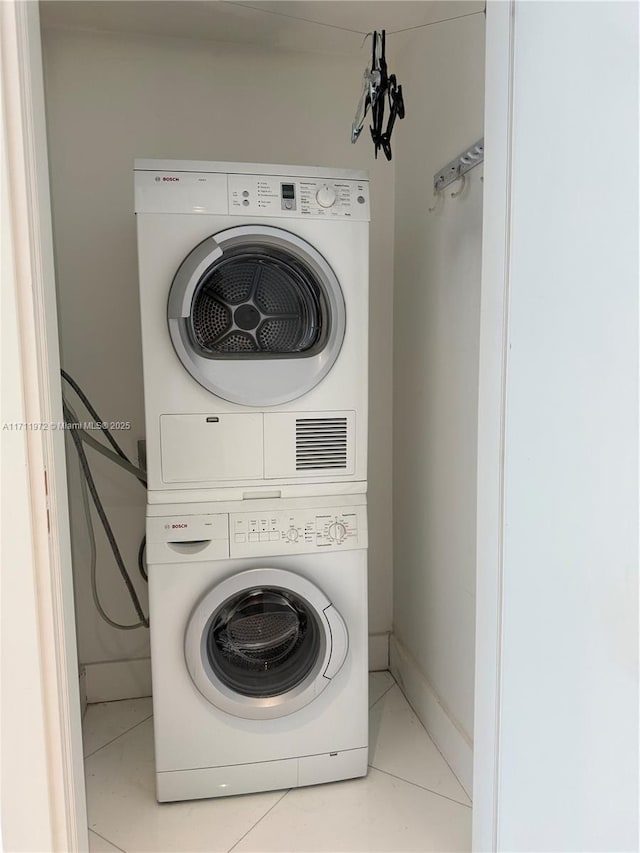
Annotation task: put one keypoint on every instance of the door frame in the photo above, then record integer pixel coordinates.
(59, 814)
(494, 350)
(43, 791)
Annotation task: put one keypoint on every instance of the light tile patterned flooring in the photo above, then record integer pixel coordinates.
(409, 801)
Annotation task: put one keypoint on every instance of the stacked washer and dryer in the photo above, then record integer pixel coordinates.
(254, 307)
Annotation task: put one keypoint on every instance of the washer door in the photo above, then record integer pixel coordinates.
(264, 643)
(256, 315)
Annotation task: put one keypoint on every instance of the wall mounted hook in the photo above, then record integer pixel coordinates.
(438, 196)
(473, 156)
(463, 180)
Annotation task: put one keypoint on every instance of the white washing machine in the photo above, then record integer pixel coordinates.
(258, 644)
(254, 310)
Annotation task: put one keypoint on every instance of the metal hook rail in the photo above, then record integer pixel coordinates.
(458, 167)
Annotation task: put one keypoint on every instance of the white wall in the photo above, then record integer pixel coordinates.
(567, 699)
(436, 327)
(113, 97)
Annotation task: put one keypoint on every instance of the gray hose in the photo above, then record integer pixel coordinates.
(92, 543)
(92, 412)
(71, 419)
(119, 460)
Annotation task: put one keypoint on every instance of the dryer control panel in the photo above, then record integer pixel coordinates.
(264, 195)
(297, 531)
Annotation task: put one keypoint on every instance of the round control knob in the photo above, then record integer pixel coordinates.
(292, 534)
(337, 531)
(326, 196)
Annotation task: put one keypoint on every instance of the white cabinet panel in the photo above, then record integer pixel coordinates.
(202, 448)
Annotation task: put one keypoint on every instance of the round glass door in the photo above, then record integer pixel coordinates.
(258, 303)
(256, 315)
(264, 643)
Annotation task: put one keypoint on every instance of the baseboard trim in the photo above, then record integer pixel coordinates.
(378, 652)
(454, 745)
(118, 679)
(111, 681)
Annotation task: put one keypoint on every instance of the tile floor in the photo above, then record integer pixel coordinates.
(409, 801)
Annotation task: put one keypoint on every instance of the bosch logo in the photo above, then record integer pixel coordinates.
(166, 179)
(178, 526)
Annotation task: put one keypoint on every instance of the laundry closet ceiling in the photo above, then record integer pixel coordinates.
(335, 26)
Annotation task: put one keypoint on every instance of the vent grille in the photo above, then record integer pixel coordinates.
(321, 443)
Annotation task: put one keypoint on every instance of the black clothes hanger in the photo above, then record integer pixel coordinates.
(379, 88)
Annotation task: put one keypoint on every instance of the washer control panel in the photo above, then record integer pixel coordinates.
(264, 195)
(297, 531)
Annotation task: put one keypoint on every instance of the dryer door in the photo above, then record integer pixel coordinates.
(264, 643)
(256, 315)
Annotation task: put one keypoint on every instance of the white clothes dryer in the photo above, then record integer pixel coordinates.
(254, 310)
(258, 644)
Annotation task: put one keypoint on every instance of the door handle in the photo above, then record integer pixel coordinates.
(191, 546)
(339, 641)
